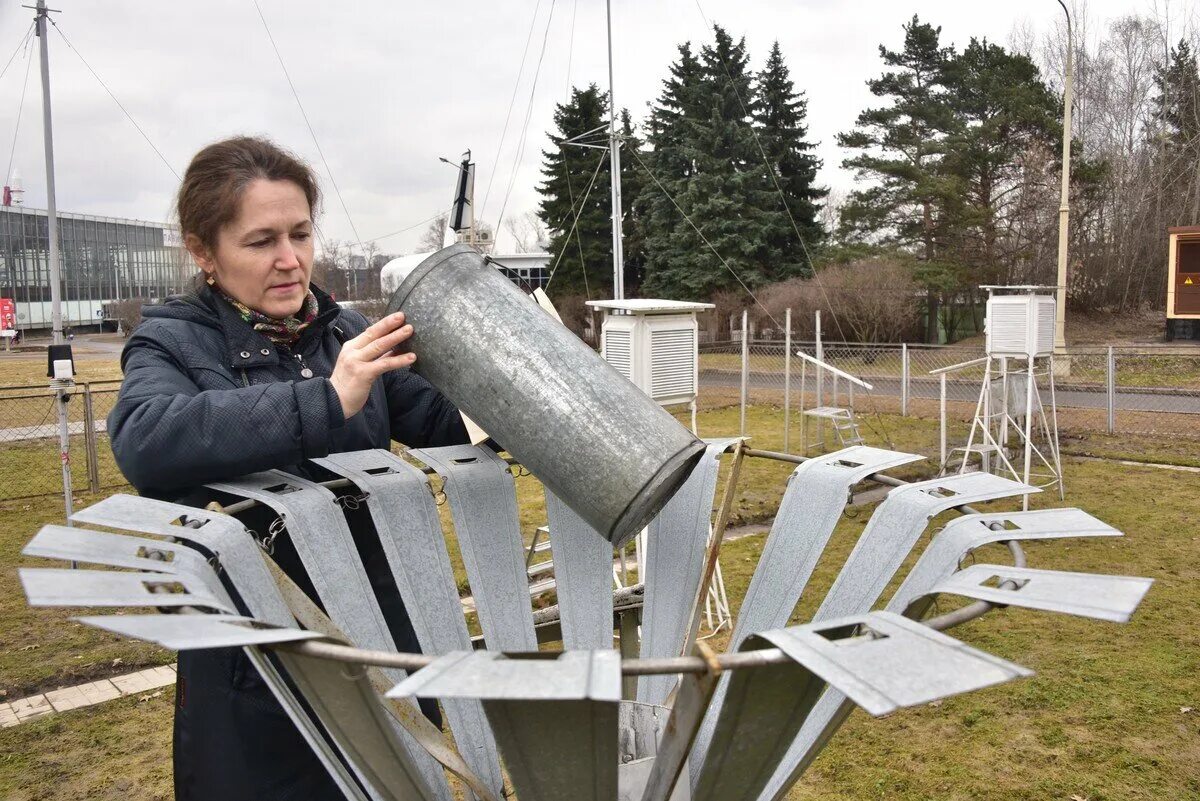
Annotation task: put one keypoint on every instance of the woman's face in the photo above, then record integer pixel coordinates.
(264, 256)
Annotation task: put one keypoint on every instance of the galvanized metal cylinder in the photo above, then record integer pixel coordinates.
(598, 442)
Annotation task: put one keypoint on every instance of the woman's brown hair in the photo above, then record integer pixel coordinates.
(218, 175)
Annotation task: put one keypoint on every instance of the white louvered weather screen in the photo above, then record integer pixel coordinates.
(672, 363)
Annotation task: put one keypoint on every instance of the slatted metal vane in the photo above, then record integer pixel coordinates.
(676, 723)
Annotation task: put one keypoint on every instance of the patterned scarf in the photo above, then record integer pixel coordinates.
(281, 332)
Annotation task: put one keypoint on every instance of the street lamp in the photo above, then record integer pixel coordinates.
(1064, 207)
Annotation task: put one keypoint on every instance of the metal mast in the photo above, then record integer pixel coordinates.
(64, 440)
(1064, 203)
(614, 146)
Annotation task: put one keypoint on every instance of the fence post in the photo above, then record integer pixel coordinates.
(1111, 387)
(787, 377)
(904, 379)
(942, 419)
(89, 439)
(745, 369)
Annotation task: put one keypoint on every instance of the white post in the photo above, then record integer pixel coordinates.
(1111, 387)
(904, 380)
(787, 377)
(942, 417)
(745, 370)
(820, 375)
(1028, 427)
(1064, 206)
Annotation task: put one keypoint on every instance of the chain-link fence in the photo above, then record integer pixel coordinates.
(30, 455)
(1109, 389)
(1114, 390)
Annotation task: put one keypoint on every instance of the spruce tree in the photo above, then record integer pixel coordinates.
(726, 191)
(582, 259)
(782, 133)
(666, 167)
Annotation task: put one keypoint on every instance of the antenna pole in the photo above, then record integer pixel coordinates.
(64, 437)
(51, 206)
(614, 145)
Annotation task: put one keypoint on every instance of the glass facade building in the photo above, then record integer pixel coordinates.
(103, 259)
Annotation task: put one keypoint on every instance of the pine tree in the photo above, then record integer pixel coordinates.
(902, 146)
(782, 134)
(582, 258)
(1002, 108)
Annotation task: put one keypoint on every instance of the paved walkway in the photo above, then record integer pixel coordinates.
(14, 713)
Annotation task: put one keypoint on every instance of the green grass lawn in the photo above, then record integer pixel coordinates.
(1101, 720)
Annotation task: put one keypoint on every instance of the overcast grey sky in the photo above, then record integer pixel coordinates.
(391, 86)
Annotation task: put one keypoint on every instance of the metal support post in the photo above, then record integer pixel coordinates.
(904, 380)
(61, 394)
(745, 370)
(942, 418)
(787, 378)
(820, 375)
(1029, 379)
(1111, 388)
(89, 438)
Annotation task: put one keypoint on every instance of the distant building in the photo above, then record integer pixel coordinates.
(527, 270)
(103, 259)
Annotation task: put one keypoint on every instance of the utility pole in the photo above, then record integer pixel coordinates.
(61, 386)
(614, 149)
(1064, 206)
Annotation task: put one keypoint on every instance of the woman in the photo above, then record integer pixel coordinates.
(258, 369)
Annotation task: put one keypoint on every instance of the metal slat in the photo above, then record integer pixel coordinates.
(554, 715)
(676, 543)
(318, 530)
(362, 728)
(223, 536)
(939, 560)
(483, 505)
(66, 587)
(881, 660)
(406, 518)
(243, 563)
(893, 530)
(965, 534)
(812, 503)
(583, 578)
(811, 506)
(191, 632)
(116, 550)
(1113, 598)
(885, 542)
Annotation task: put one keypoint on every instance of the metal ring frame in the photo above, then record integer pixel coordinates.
(636, 666)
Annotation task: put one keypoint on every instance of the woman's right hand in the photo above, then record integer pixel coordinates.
(366, 357)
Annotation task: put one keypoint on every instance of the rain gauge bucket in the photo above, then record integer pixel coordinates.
(600, 444)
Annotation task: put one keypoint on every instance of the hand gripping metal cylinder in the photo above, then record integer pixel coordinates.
(598, 442)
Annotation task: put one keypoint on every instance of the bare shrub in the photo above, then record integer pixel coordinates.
(867, 300)
(127, 313)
